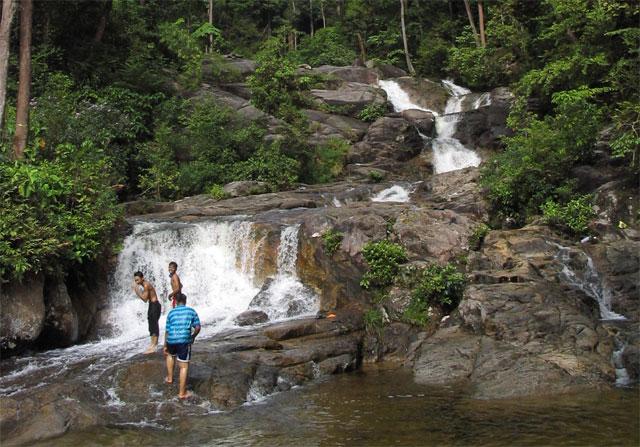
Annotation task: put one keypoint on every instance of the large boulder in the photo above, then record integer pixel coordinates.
(390, 138)
(326, 126)
(23, 312)
(425, 93)
(423, 121)
(251, 317)
(245, 188)
(485, 125)
(351, 97)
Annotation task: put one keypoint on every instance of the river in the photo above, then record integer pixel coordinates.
(379, 406)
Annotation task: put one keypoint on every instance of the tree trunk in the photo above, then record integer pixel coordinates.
(363, 52)
(324, 19)
(483, 37)
(102, 23)
(24, 87)
(211, 23)
(404, 40)
(311, 16)
(8, 8)
(471, 22)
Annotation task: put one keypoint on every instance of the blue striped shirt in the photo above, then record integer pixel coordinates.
(179, 323)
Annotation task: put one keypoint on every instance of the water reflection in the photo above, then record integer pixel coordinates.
(380, 407)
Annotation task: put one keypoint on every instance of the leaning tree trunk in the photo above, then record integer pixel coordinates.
(24, 79)
(404, 40)
(211, 23)
(324, 19)
(311, 16)
(483, 37)
(471, 22)
(8, 8)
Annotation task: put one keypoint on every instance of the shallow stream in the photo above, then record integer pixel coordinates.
(378, 407)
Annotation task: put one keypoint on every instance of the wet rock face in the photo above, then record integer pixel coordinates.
(427, 94)
(423, 121)
(520, 328)
(61, 321)
(251, 317)
(23, 312)
(483, 127)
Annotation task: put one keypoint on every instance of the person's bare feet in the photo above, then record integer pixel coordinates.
(168, 381)
(186, 395)
(151, 350)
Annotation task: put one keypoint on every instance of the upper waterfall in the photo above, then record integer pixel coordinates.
(448, 153)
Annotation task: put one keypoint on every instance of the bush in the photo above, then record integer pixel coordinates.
(275, 87)
(534, 165)
(217, 192)
(383, 258)
(372, 112)
(573, 218)
(329, 159)
(269, 165)
(373, 321)
(438, 285)
(376, 176)
(332, 240)
(55, 212)
(476, 239)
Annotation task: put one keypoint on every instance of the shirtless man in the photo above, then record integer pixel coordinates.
(176, 284)
(145, 291)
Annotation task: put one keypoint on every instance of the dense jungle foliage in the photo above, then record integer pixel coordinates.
(117, 111)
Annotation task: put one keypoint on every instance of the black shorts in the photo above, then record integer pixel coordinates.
(181, 350)
(153, 315)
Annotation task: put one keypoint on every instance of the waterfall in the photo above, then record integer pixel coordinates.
(399, 98)
(590, 281)
(216, 266)
(592, 284)
(448, 153)
(285, 296)
(395, 193)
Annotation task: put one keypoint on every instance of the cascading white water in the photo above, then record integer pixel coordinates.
(448, 153)
(216, 267)
(395, 193)
(214, 264)
(591, 284)
(286, 296)
(399, 98)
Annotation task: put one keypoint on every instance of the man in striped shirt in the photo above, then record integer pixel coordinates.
(178, 338)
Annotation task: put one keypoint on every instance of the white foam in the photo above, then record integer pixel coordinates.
(395, 193)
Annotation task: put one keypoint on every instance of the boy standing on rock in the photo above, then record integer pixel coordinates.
(176, 284)
(148, 294)
(178, 340)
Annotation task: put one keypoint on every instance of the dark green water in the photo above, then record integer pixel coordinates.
(381, 408)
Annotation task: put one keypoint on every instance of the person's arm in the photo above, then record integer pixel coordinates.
(144, 295)
(195, 324)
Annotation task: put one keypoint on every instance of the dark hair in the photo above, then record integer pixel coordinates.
(173, 264)
(138, 273)
(181, 298)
